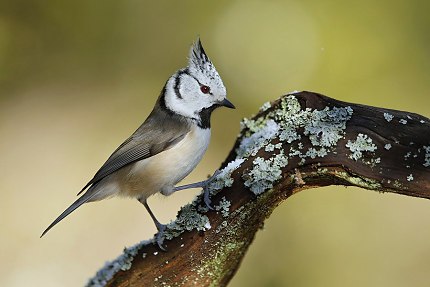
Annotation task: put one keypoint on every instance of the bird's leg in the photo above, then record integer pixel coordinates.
(201, 184)
(160, 227)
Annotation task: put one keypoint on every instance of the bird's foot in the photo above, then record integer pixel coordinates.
(207, 199)
(159, 237)
(207, 192)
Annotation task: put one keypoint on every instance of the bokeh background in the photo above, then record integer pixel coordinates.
(77, 77)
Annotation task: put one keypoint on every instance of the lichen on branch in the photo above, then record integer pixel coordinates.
(299, 141)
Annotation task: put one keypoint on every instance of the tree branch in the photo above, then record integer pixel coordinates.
(300, 141)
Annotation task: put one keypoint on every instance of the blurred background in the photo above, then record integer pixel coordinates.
(78, 77)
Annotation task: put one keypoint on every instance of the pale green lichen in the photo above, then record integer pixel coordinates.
(387, 146)
(265, 173)
(217, 262)
(223, 178)
(314, 153)
(252, 125)
(326, 127)
(223, 206)
(398, 184)
(265, 106)
(123, 262)
(289, 135)
(221, 226)
(359, 181)
(290, 123)
(323, 127)
(407, 155)
(372, 161)
(238, 211)
(410, 177)
(388, 117)
(214, 267)
(271, 147)
(188, 219)
(310, 153)
(252, 144)
(221, 252)
(403, 121)
(426, 156)
(363, 143)
(278, 146)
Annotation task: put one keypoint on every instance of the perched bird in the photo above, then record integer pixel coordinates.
(168, 145)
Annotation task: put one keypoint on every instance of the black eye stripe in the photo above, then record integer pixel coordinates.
(178, 82)
(176, 87)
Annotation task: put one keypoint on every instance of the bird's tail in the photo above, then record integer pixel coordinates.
(90, 194)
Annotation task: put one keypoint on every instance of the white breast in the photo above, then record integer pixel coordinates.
(166, 169)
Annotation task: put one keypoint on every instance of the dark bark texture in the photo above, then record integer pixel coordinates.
(300, 141)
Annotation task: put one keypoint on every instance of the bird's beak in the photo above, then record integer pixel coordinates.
(227, 103)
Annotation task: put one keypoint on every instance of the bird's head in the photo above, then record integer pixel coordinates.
(195, 91)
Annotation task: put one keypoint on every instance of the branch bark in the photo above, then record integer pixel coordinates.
(300, 141)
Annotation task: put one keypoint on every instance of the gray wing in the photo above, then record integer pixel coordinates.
(157, 134)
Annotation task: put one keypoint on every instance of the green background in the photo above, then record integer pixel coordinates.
(77, 77)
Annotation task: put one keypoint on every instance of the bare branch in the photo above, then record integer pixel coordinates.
(301, 141)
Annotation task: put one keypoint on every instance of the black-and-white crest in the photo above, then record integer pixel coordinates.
(198, 57)
(200, 63)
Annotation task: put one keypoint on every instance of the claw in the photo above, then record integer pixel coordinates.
(207, 193)
(207, 199)
(159, 237)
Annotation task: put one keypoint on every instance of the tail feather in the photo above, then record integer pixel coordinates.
(90, 194)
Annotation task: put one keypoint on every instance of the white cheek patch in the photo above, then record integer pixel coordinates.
(179, 106)
(187, 88)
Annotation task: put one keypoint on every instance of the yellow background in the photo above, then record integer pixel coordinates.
(78, 77)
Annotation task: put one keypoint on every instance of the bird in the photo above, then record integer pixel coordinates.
(167, 146)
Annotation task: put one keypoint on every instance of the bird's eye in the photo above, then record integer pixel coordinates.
(205, 89)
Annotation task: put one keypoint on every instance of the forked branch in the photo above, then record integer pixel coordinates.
(300, 141)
